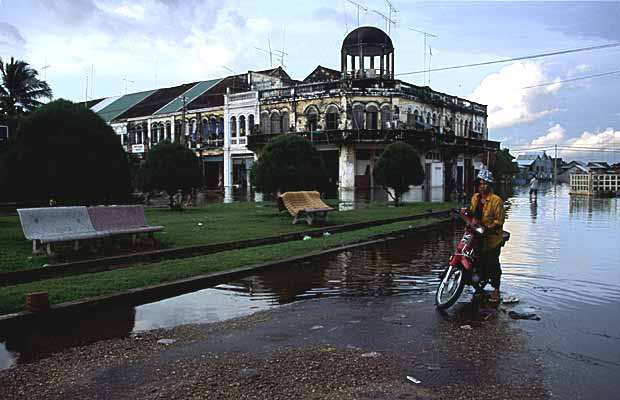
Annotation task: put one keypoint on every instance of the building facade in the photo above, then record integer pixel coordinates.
(350, 115)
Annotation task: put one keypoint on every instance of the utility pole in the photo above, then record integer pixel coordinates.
(555, 166)
(426, 34)
(358, 10)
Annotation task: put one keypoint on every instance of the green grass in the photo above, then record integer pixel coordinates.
(12, 298)
(220, 223)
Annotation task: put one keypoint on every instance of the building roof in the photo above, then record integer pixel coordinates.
(121, 104)
(525, 162)
(322, 74)
(368, 37)
(155, 101)
(190, 95)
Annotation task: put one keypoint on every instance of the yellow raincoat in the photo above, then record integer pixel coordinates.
(492, 212)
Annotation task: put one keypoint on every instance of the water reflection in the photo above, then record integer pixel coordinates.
(562, 255)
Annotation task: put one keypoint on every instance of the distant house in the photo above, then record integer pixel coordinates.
(568, 169)
(539, 164)
(595, 179)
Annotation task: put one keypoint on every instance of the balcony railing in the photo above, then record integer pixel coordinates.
(416, 138)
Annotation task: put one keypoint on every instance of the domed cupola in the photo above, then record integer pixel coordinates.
(367, 52)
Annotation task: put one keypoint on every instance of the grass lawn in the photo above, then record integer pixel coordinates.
(12, 298)
(219, 223)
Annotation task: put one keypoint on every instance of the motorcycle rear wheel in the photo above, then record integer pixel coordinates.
(450, 287)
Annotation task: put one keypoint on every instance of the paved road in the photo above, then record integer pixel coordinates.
(337, 348)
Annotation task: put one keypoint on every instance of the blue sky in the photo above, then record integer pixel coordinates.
(161, 43)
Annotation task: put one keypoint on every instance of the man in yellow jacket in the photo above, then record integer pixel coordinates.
(488, 208)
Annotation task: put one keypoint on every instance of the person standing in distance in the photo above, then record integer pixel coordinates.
(488, 208)
(534, 187)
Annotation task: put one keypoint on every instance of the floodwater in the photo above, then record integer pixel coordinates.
(562, 262)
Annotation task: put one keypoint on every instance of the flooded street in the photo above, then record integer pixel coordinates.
(561, 262)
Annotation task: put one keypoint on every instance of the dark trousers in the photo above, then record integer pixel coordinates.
(489, 261)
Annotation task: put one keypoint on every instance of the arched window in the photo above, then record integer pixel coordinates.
(372, 120)
(331, 118)
(435, 119)
(428, 118)
(284, 122)
(242, 125)
(264, 123)
(178, 129)
(220, 130)
(416, 115)
(206, 128)
(358, 116)
(213, 128)
(466, 131)
(312, 119)
(276, 126)
(168, 131)
(138, 135)
(233, 127)
(250, 124)
(461, 131)
(154, 133)
(386, 117)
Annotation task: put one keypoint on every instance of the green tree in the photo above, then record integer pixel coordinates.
(289, 163)
(66, 152)
(170, 167)
(504, 168)
(398, 167)
(20, 91)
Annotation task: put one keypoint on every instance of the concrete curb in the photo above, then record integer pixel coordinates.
(149, 294)
(124, 261)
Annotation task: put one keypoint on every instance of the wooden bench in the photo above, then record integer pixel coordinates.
(304, 205)
(48, 225)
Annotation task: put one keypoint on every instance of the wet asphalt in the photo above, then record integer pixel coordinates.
(332, 348)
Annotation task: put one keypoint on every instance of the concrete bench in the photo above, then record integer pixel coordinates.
(304, 205)
(48, 225)
(121, 220)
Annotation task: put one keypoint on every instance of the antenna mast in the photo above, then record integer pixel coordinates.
(358, 10)
(426, 34)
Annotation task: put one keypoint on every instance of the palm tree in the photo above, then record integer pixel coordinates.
(20, 88)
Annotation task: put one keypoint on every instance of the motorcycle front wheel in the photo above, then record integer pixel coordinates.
(450, 287)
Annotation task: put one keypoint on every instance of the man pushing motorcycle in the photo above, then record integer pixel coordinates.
(488, 208)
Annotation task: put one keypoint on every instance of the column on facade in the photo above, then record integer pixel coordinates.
(172, 133)
(347, 168)
(147, 140)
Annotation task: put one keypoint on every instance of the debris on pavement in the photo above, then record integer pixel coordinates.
(466, 327)
(372, 354)
(414, 380)
(166, 341)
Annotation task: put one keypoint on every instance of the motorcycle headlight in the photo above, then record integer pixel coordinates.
(479, 230)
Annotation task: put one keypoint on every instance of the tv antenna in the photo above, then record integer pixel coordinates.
(359, 6)
(388, 20)
(44, 68)
(391, 9)
(126, 81)
(426, 34)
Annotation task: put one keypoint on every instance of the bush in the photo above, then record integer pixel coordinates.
(66, 152)
(398, 167)
(289, 163)
(170, 167)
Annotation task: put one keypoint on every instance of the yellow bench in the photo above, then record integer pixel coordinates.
(306, 205)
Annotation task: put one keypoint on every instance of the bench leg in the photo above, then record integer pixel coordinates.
(152, 238)
(36, 247)
(309, 219)
(49, 249)
(295, 219)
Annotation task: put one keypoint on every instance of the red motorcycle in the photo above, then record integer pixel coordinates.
(464, 267)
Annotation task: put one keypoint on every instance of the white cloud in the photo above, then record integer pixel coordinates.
(555, 134)
(580, 69)
(508, 103)
(135, 11)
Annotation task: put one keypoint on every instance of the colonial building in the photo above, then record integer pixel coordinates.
(535, 163)
(349, 114)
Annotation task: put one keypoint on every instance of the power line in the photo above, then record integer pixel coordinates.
(572, 80)
(505, 60)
